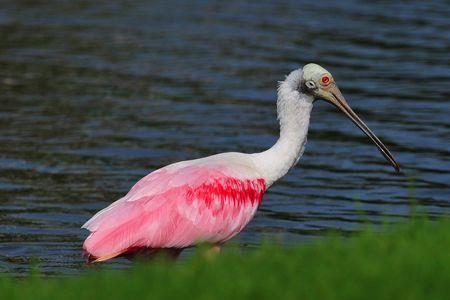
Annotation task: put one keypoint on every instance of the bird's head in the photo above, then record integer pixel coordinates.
(318, 82)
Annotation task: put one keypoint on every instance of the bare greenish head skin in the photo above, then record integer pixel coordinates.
(313, 72)
(317, 81)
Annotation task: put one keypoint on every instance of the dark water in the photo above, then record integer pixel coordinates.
(96, 94)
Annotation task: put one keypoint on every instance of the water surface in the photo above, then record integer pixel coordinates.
(94, 95)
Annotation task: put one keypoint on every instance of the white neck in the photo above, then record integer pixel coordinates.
(294, 109)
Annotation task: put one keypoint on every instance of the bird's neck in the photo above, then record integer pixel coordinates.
(294, 109)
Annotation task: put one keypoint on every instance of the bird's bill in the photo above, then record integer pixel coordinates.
(334, 96)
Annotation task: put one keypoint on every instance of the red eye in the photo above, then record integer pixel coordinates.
(325, 80)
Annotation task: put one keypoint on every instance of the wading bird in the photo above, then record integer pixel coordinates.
(212, 199)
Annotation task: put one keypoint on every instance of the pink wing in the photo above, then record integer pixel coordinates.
(176, 207)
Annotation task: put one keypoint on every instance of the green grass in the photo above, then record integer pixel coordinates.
(411, 261)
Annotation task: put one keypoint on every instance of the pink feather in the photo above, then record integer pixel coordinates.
(176, 207)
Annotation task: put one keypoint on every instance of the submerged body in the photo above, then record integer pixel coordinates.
(209, 199)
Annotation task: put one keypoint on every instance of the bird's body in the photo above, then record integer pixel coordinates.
(208, 200)
(203, 200)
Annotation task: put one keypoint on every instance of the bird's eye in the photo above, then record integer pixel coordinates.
(310, 85)
(325, 80)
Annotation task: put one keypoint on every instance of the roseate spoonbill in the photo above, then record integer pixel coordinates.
(212, 199)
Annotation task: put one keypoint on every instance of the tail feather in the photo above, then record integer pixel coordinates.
(105, 244)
